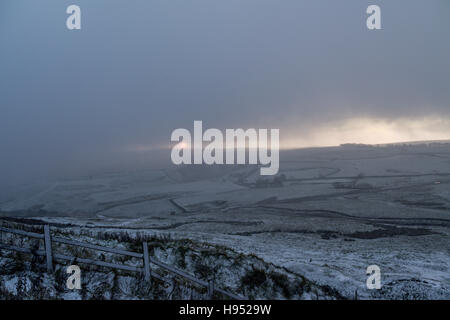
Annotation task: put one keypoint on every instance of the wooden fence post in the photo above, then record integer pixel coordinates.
(147, 274)
(48, 248)
(210, 289)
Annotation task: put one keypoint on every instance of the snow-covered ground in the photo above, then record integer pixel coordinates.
(328, 214)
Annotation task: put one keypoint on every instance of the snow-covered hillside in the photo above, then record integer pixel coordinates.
(327, 215)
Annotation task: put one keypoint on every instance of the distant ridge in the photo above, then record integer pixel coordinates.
(404, 143)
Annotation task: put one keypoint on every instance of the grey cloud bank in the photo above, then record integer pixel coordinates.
(74, 100)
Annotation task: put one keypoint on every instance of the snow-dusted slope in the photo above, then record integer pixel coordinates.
(328, 214)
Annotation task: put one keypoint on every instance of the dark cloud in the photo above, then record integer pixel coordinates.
(139, 69)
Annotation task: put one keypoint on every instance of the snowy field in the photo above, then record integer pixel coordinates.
(328, 214)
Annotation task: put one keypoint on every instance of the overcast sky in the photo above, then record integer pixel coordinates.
(139, 69)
